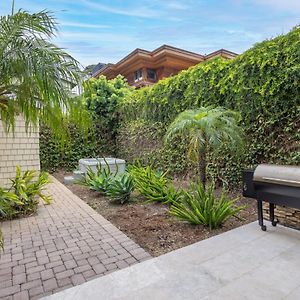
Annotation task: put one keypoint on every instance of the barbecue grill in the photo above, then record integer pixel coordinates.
(277, 185)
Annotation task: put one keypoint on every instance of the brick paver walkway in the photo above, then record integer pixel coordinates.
(65, 244)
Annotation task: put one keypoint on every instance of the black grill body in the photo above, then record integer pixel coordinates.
(277, 185)
(248, 184)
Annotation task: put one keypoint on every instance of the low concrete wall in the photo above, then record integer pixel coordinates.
(20, 148)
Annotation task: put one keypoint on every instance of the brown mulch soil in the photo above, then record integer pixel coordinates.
(150, 225)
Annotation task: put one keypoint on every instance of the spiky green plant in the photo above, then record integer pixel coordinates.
(35, 75)
(202, 207)
(208, 129)
(121, 188)
(153, 185)
(98, 180)
(29, 188)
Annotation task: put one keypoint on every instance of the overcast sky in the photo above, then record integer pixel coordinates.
(106, 30)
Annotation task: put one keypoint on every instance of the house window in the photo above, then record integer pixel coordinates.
(151, 74)
(138, 75)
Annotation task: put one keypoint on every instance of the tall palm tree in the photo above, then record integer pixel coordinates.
(208, 129)
(34, 73)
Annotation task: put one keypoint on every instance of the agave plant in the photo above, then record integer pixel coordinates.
(202, 207)
(121, 188)
(100, 179)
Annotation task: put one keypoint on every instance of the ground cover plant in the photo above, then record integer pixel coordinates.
(22, 197)
(7, 202)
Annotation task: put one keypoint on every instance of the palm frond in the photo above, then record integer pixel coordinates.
(35, 75)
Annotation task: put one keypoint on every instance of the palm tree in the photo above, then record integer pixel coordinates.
(208, 129)
(34, 73)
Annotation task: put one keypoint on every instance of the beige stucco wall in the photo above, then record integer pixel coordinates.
(20, 148)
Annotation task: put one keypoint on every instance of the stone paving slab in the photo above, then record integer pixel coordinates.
(65, 244)
(244, 263)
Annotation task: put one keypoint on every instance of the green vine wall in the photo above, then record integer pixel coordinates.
(263, 84)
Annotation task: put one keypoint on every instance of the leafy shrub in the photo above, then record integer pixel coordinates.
(24, 194)
(7, 202)
(121, 188)
(29, 188)
(153, 185)
(202, 207)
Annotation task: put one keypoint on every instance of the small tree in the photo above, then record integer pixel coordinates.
(102, 98)
(208, 129)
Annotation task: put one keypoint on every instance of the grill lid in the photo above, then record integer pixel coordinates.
(276, 174)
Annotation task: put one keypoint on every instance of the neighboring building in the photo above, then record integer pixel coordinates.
(97, 68)
(143, 68)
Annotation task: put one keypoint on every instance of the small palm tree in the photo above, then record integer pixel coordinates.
(35, 75)
(208, 129)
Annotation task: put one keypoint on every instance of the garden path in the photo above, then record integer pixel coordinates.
(65, 244)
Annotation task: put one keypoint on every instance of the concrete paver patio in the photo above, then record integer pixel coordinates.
(63, 245)
(244, 263)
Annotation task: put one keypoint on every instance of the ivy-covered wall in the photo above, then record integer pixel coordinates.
(263, 84)
(54, 155)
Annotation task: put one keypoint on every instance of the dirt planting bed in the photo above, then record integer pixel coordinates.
(150, 225)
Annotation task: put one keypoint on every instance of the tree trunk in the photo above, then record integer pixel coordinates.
(202, 169)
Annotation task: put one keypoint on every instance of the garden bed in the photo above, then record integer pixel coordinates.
(150, 225)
